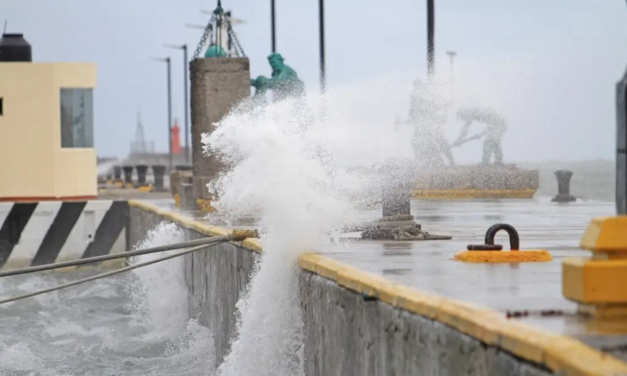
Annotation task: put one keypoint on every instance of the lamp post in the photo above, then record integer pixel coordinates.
(430, 38)
(323, 78)
(185, 95)
(273, 24)
(167, 61)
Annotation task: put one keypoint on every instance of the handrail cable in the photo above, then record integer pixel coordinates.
(103, 275)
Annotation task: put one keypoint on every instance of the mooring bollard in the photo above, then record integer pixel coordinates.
(128, 175)
(563, 186)
(158, 172)
(141, 174)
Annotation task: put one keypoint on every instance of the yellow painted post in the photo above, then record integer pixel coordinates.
(599, 283)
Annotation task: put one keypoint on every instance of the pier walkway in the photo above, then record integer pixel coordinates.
(527, 292)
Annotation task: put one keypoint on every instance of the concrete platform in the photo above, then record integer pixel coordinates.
(531, 291)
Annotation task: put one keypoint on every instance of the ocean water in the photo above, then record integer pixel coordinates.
(131, 324)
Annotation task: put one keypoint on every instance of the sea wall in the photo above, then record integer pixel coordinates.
(357, 323)
(347, 334)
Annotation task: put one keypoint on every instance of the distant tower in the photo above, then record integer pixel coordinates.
(139, 145)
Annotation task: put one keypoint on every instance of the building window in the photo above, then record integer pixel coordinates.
(77, 118)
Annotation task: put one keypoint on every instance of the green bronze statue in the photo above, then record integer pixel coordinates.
(284, 81)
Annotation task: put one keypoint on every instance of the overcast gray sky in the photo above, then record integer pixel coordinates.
(569, 54)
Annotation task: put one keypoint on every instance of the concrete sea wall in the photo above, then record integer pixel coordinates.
(357, 323)
(347, 334)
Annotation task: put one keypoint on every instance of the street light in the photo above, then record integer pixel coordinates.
(323, 77)
(167, 61)
(430, 38)
(273, 25)
(185, 95)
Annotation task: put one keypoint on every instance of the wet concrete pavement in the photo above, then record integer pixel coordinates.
(531, 289)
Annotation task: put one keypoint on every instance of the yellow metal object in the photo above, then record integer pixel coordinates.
(118, 184)
(145, 188)
(504, 256)
(129, 186)
(177, 200)
(447, 194)
(598, 283)
(589, 281)
(205, 205)
(606, 235)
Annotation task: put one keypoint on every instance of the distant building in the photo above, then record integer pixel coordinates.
(46, 126)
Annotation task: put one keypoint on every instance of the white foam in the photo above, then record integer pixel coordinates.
(294, 170)
(158, 291)
(303, 173)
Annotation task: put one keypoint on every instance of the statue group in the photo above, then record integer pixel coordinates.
(428, 114)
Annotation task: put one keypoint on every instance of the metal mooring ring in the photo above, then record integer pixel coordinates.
(514, 240)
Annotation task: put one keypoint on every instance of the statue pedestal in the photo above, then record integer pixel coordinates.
(217, 85)
(476, 182)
